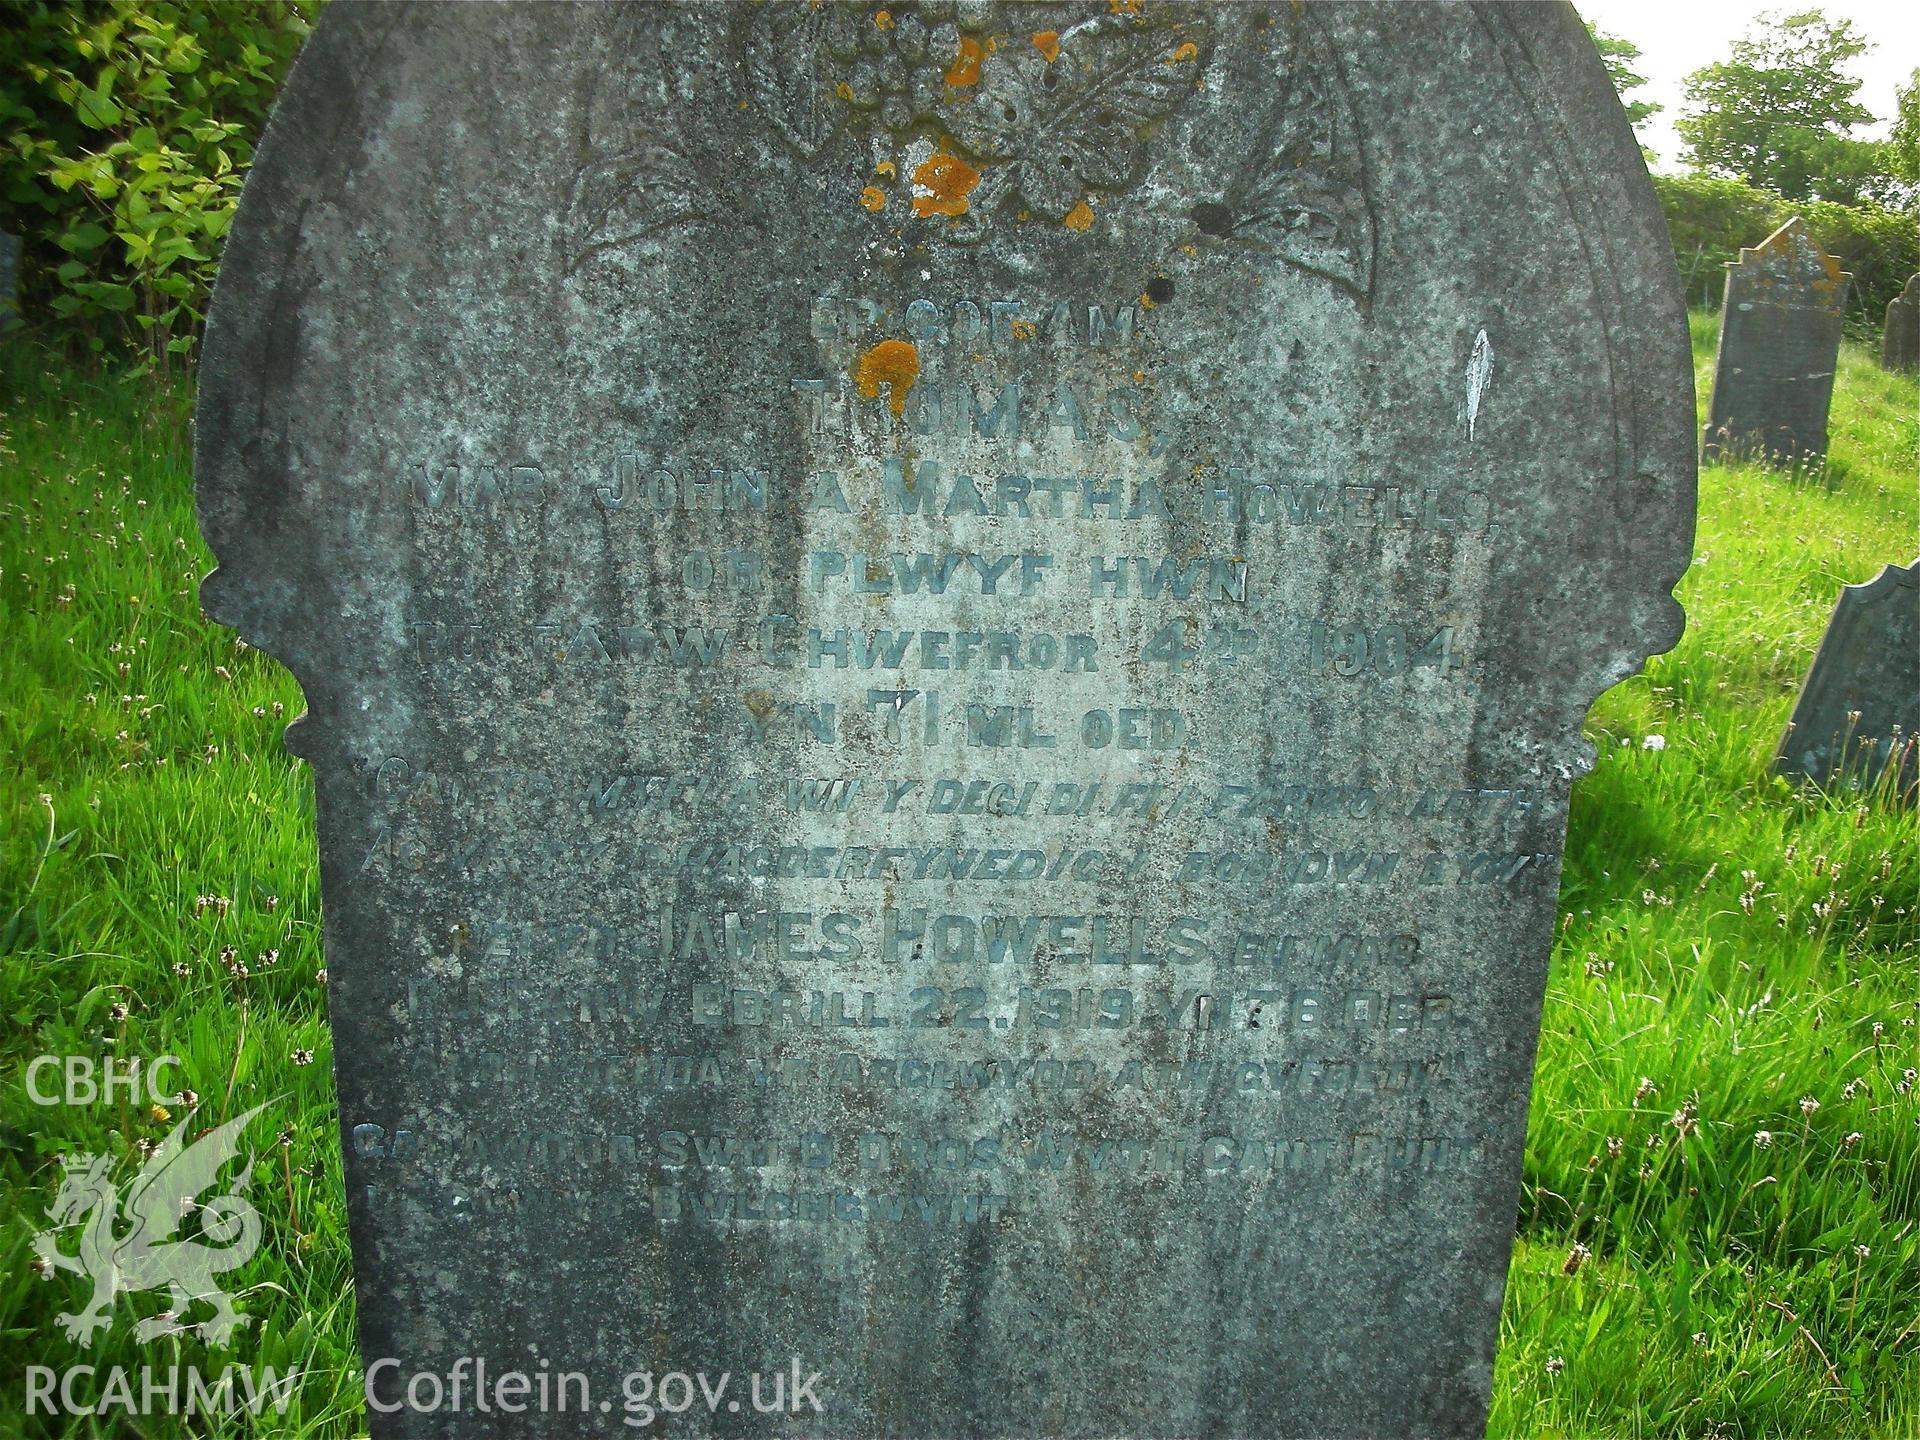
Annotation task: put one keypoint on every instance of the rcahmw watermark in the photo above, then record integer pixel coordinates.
(154, 1390)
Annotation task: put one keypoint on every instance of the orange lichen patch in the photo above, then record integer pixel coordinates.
(873, 198)
(1047, 42)
(1184, 51)
(1124, 7)
(965, 69)
(1023, 329)
(882, 20)
(941, 185)
(893, 363)
(1080, 217)
(844, 91)
(885, 167)
(1146, 301)
(1791, 248)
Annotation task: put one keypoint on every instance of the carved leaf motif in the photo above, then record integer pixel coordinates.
(619, 199)
(1303, 198)
(1082, 130)
(636, 176)
(783, 44)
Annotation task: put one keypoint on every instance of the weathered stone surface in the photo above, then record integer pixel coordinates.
(1860, 706)
(1780, 326)
(1900, 340)
(944, 662)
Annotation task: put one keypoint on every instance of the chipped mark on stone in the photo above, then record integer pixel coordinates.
(893, 363)
(1479, 374)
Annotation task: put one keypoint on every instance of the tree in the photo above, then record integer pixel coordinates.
(1777, 114)
(1619, 56)
(1903, 146)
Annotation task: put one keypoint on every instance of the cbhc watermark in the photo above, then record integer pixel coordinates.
(82, 1080)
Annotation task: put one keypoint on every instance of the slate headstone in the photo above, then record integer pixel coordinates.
(1779, 345)
(1859, 709)
(9, 281)
(945, 649)
(1900, 340)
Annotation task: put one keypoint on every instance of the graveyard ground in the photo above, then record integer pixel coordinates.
(1720, 1231)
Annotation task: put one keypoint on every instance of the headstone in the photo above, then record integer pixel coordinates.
(1900, 340)
(945, 649)
(9, 281)
(1859, 710)
(1779, 344)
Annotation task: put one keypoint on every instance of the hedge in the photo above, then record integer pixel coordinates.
(126, 128)
(1712, 219)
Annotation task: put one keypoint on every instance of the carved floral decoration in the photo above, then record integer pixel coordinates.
(1044, 124)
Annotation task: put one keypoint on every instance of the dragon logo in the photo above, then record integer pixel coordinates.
(151, 1253)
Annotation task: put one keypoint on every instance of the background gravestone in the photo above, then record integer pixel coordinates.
(945, 651)
(1900, 340)
(1779, 343)
(1860, 705)
(9, 281)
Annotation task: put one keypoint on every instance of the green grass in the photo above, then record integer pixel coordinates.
(1741, 947)
(1727, 942)
(144, 770)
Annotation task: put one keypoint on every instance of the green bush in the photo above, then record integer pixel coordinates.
(1712, 219)
(127, 127)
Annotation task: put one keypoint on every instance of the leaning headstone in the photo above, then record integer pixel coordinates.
(1779, 344)
(9, 281)
(1900, 340)
(1859, 710)
(945, 649)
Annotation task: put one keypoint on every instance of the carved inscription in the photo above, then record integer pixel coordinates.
(972, 605)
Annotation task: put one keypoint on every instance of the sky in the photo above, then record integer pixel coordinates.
(1677, 37)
